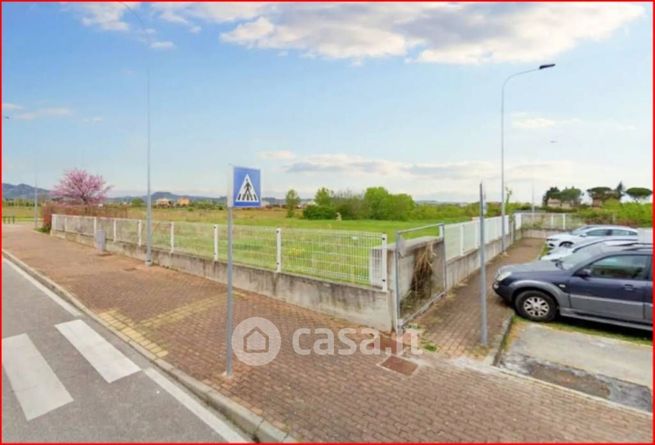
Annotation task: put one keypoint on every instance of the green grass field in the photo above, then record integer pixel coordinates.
(277, 218)
(338, 256)
(21, 213)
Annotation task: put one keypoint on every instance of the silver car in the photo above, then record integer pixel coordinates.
(582, 233)
(562, 252)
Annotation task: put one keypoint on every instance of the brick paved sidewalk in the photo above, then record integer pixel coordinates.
(453, 324)
(318, 398)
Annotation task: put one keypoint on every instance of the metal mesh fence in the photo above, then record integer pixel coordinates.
(106, 225)
(194, 238)
(549, 221)
(252, 245)
(462, 238)
(355, 257)
(125, 231)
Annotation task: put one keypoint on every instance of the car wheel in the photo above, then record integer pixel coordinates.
(566, 244)
(536, 306)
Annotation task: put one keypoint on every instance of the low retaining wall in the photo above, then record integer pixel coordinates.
(357, 304)
(458, 269)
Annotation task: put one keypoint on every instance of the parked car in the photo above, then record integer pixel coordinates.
(562, 252)
(610, 284)
(581, 233)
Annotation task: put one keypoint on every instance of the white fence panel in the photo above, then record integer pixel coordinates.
(334, 254)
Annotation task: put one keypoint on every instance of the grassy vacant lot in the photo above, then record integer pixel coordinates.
(277, 218)
(21, 213)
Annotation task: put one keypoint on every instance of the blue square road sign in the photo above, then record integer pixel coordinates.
(246, 187)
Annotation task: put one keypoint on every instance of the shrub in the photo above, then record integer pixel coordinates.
(319, 212)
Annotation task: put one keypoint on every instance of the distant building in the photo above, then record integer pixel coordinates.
(183, 202)
(304, 204)
(558, 203)
(163, 202)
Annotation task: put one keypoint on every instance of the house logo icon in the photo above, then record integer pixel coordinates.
(256, 341)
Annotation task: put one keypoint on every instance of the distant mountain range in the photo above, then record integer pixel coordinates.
(26, 191)
(21, 191)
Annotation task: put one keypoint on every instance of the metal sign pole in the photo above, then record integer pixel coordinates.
(244, 191)
(483, 272)
(228, 322)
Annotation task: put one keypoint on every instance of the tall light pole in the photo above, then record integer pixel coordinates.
(148, 194)
(502, 147)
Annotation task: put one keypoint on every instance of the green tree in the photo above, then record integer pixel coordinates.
(292, 201)
(137, 202)
(401, 207)
(508, 196)
(601, 193)
(639, 193)
(619, 191)
(378, 202)
(571, 195)
(350, 205)
(551, 193)
(323, 197)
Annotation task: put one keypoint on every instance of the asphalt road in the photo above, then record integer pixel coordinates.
(67, 379)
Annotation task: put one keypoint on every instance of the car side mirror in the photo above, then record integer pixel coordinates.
(584, 273)
(584, 235)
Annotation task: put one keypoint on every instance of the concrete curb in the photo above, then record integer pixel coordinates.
(614, 405)
(252, 424)
(497, 349)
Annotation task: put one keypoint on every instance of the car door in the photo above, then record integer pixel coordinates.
(613, 287)
(648, 296)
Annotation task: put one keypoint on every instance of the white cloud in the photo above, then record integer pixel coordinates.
(108, 16)
(276, 155)
(464, 33)
(186, 12)
(116, 16)
(8, 107)
(450, 180)
(528, 121)
(28, 115)
(93, 119)
(163, 45)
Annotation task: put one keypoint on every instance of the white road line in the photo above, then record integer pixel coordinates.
(222, 428)
(36, 386)
(50, 294)
(110, 363)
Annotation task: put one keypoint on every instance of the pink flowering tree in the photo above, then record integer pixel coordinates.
(80, 187)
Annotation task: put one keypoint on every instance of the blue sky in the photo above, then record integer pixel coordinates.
(405, 96)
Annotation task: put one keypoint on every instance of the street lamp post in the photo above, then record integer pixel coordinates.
(148, 194)
(502, 147)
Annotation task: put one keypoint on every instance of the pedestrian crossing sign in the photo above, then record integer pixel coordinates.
(246, 188)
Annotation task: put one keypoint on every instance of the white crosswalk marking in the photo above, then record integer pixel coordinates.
(36, 386)
(110, 363)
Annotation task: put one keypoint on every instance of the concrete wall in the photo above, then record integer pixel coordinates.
(357, 304)
(458, 269)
